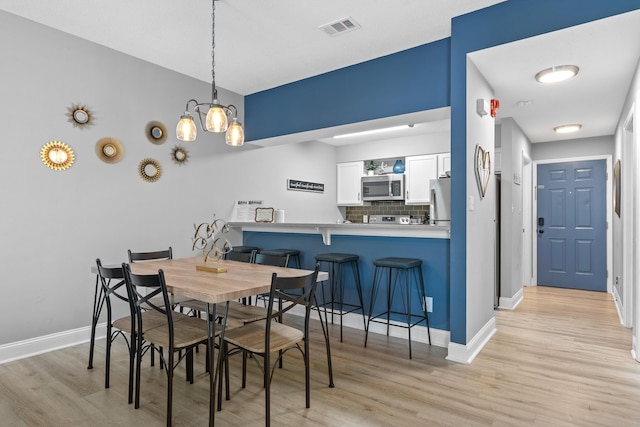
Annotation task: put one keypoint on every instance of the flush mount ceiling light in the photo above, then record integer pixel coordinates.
(557, 74)
(567, 128)
(216, 113)
(371, 132)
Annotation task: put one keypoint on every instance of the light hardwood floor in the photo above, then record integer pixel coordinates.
(560, 359)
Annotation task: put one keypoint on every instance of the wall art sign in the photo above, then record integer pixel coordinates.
(298, 185)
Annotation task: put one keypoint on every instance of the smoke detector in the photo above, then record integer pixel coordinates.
(340, 27)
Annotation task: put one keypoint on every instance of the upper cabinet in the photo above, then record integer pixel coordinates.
(349, 181)
(444, 165)
(418, 171)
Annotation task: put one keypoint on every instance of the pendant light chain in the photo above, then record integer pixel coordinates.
(213, 48)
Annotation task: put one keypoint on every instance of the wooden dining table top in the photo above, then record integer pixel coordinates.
(240, 280)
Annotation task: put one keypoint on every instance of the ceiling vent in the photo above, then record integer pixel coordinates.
(340, 27)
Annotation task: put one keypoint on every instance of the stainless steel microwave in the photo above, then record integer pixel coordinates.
(383, 187)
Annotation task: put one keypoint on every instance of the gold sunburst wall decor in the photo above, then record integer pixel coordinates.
(156, 132)
(179, 155)
(80, 116)
(109, 150)
(149, 170)
(57, 155)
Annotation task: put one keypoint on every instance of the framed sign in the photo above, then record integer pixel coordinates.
(296, 184)
(264, 214)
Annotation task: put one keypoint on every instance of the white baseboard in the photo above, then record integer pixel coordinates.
(466, 353)
(511, 303)
(34, 346)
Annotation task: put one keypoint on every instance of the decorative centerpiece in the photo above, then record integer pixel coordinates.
(208, 239)
(371, 168)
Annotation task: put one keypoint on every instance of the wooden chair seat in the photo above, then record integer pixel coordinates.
(251, 337)
(187, 332)
(238, 315)
(150, 320)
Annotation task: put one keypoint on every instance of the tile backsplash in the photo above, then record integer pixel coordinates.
(395, 207)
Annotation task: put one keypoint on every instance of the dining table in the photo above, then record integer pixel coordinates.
(240, 280)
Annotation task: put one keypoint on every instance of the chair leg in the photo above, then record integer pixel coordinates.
(132, 361)
(169, 364)
(107, 371)
(325, 331)
(97, 308)
(138, 366)
(267, 389)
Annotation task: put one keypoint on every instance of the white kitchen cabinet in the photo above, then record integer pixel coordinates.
(444, 164)
(418, 171)
(349, 181)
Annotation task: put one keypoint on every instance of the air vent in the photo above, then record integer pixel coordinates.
(340, 27)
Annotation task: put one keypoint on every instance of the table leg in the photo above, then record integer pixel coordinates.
(325, 331)
(214, 368)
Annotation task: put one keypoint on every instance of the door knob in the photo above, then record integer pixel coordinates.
(541, 231)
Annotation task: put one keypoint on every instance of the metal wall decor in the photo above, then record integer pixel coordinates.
(149, 170)
(80, 116)
(179, 155)
(109, 150)
(57, 155)
(483, 169)
(156, 132)
(208, 239)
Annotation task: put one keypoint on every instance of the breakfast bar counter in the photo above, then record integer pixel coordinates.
(326, 230)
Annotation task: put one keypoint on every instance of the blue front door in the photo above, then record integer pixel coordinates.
(572, 225)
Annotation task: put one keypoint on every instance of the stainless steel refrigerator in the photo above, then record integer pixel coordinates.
(440, 201)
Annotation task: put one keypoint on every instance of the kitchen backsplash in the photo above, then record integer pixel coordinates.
(396, 207)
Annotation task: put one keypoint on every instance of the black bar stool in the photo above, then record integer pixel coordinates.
(336, 261)
(409, 269)
(294, 254)
(244, 249)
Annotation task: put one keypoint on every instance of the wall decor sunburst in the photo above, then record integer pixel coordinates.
(179, 155)
(156, 132)
(109, 150)
(80, 116)
(149, 170)
(57, 155)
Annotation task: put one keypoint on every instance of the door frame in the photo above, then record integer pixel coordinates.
(627, 213)
(527, 221)
(609, 206)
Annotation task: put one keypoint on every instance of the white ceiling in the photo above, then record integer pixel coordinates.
(263, 44)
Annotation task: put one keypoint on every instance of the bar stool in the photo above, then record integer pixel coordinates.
(397, 268)
(244, 249)
(336, 262)
(294, 254)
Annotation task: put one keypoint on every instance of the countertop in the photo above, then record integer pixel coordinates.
(341, 228)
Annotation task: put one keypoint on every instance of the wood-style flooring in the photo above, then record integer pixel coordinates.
(560, 359)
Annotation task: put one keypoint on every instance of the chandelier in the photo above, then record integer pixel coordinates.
(217, 115)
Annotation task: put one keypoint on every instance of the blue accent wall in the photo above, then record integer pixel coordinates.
(426, 77)
(409, 81)
(433, 252)
(503, 23)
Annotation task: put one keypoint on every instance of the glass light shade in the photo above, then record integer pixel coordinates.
(235, 133)
(557, 74)
(216, 118)
(58, 156)
(186, 129)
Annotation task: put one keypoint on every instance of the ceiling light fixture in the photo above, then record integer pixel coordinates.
(557, 74)
(568, 128)
(217, 114)
(373, 131)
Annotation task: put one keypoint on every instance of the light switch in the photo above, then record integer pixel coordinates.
(472, 203)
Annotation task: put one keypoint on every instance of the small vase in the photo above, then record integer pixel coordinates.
(398, 166)
(370, 173)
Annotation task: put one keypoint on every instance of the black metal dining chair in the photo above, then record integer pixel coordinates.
(264, 337)
(178, 332)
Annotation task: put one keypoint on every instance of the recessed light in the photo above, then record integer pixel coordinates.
(557, 74)
(567, 128)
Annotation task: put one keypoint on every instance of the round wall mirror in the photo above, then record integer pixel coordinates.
(149, 170)
(179, 155)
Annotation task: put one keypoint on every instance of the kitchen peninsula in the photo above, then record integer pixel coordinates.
(369, 241)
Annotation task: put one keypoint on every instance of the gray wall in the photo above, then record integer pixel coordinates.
(582, 147)
(481, 240)
(55, 223)
(514, 144)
